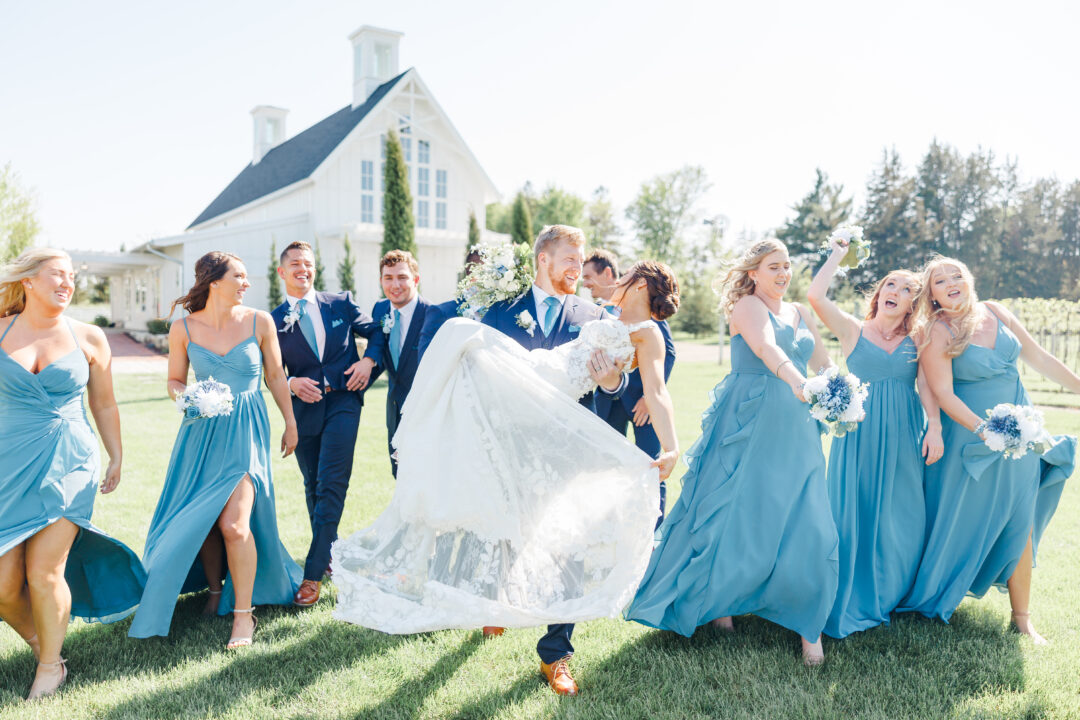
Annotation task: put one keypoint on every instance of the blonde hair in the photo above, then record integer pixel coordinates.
(962, 322)
(873, 295)
(736, 283)
(552, 235)
(27, 265)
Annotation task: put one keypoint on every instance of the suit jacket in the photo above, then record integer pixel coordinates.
(634, 388)
(575, 312)
(433, 320)
(378, 350)
(343, 320)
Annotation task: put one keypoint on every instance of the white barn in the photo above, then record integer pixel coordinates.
(319, 186)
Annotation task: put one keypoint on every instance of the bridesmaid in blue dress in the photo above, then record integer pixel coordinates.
(218, 498)
(876, 471)
(985, 513)
(752, 532)
(53, 562)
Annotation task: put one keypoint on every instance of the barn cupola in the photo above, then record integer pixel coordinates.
(269, 127)
(375, 60)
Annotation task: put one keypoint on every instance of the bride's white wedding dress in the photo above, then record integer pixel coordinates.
(515, 506)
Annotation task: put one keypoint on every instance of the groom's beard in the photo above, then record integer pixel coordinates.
(562, 283)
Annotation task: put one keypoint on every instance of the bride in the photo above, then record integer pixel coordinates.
(515, 505)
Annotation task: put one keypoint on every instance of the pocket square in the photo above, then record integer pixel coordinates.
(336, 322)
(574, 328)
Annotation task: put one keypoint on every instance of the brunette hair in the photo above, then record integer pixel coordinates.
(604, 259)
(211, 267)
(295, 245)
(662, 285)
(400, 256)
(26, 265)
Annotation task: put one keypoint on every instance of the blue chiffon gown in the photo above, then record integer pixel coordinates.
(209, 459)
(980, 505)
(752, 531)
(49, 469)
(876, 490)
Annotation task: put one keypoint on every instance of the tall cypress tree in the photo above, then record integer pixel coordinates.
(273, 281)
(521, 221)
(474, 234)
(320, 271)
(345, 268)
(399, 226)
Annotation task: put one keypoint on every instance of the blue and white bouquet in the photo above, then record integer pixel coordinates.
(836, 400)
(205, 399)
(504, 272)
(858, 248)
(1014, 430)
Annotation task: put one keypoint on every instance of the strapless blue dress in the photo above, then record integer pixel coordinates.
(980, 505)
(209, 459)
(876, 491)
(752, 531)
(49, 469)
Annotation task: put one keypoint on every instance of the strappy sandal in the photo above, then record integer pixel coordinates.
(235, 643)
(62, 663)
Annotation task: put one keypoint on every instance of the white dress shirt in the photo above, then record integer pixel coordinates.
(311, 308)
(405, 320)
(539, 296)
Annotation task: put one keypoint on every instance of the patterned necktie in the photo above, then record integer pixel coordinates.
(306, 326)
(551, 314)
(395, 338)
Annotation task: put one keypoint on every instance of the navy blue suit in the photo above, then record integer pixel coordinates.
(400, 377)
(434, 319)
(327, 428)
(575, 313)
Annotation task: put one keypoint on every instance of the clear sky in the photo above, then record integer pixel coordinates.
(129, 117)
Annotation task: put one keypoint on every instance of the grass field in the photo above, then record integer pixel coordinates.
(304, 664)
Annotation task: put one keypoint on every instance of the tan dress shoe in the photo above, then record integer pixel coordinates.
(308, 594)
(558, 676)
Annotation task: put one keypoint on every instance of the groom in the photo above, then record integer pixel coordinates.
(546, 316)
(316, 332)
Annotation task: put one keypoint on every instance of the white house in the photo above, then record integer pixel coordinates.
(321, 185)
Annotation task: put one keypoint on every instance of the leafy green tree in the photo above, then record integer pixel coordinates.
(18, 217)
(556, 206)
(320, 271)
(521, 225)
(273, 280)
(699, 307)
(497, 217)
(399, 227)
(664, 208)
(816, 216)
(600, 227)
(345, 268)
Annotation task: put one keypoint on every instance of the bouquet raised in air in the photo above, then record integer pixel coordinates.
(504, 272)
(1014, 430)
(858, 248)
(205, 399)
(836, 400)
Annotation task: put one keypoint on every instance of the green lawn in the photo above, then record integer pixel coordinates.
(304, 664)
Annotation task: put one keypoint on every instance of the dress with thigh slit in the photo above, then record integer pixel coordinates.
(209, 459)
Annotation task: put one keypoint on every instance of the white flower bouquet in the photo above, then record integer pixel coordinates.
(1014, 430)
(858, 248)
(504, 272)
(609, 335)
(205, 399)
(836, 400)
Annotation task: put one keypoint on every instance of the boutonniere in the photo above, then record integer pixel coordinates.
(525, 320)
(574, 328)
(387, 323)
(291, 318)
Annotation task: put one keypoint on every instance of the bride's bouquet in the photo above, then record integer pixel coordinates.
(836, 400)
(205, 399)
(503, 273)
(858, 248)
(1015, 429)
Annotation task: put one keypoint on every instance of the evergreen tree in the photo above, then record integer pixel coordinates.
(816, 216)
(521, 225)
(399, 226)
(320, 271)
(474, 234)
(345, 268)
(893, 221)
(273, 281)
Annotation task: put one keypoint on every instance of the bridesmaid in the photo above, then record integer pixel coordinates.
(218, 499)
(53, 562)
(985, 513)
(752, 531)
(875, 474)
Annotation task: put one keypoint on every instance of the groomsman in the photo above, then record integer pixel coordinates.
(438, 314)
(316, 331)
(600, 274)
(395, 349)
(556, 314)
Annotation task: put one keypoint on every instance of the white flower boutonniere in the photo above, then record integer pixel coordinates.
(525, 320)
(291, 318)
(387, 323)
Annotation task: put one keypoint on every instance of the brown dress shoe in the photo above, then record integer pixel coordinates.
(491, 631)
(558, 676)
(308, 594)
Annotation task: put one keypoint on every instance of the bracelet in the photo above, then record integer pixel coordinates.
(980, 427)
(776, 372)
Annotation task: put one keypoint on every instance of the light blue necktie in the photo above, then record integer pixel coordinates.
(551, 314)
(395, 338)
(307, 327)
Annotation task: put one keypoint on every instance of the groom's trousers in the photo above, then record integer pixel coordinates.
(325, 457)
